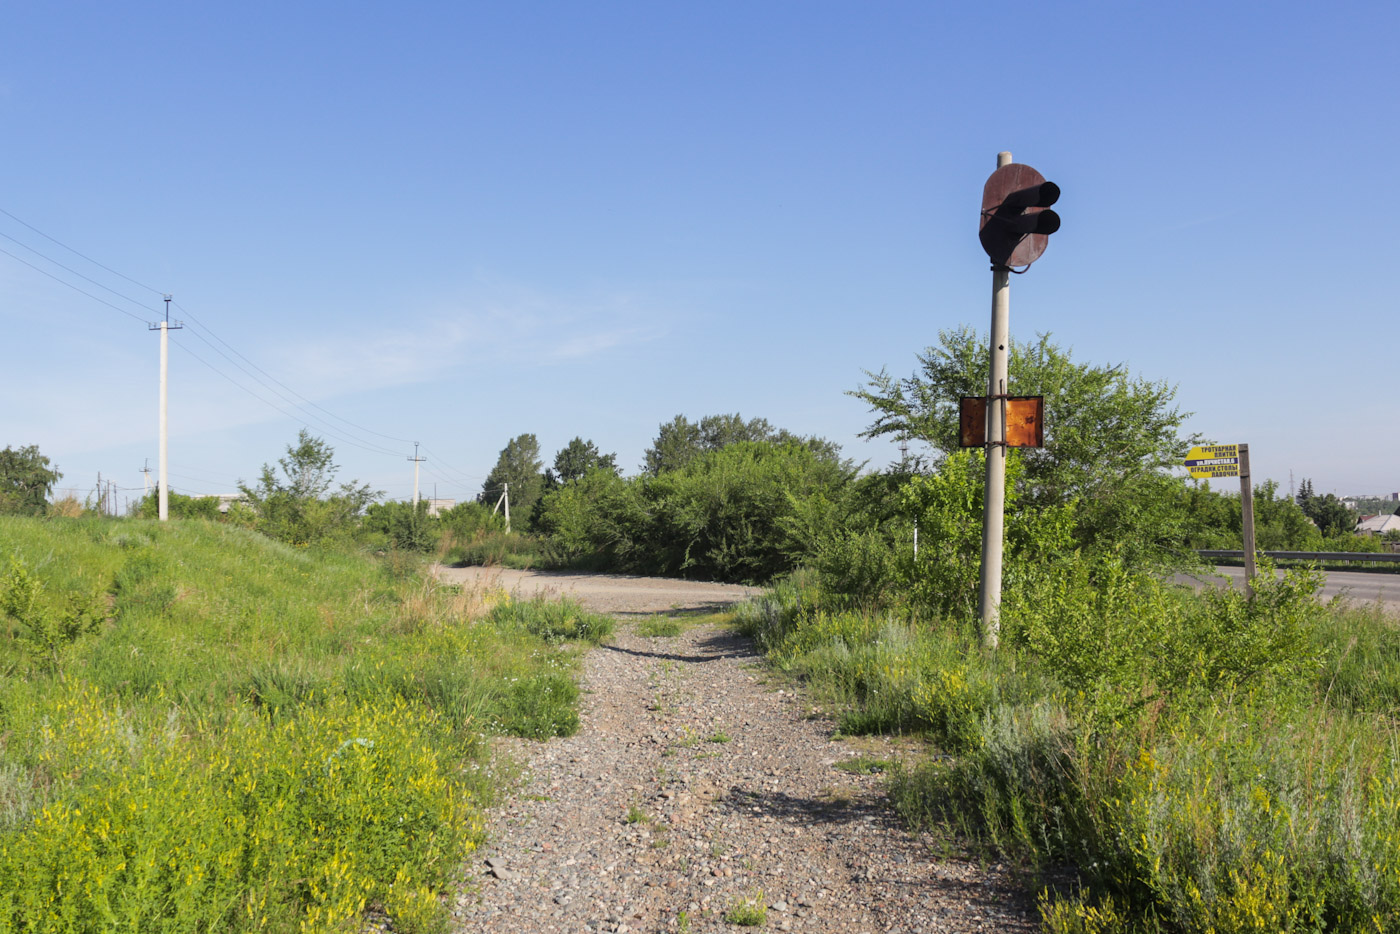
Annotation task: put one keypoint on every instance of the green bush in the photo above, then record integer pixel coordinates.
(724, 515)
(401, 525)
(178, 506)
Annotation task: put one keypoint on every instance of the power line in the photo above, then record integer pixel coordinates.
(325, 425)
(306, 418)
(289, 389)
(75, 272)
(70, 285)
(76, 253)
(202, 326)
(277, 407)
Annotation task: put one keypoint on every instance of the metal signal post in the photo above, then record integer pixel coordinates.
(1014, 230)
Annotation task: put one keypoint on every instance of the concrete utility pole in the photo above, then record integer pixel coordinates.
(163, 482)
(146, 472)
(416, 461)
(1014, 230)
(505, 498)
(994, 499)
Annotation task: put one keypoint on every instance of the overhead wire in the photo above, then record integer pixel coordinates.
(451, 474)
(278, 408)
(100, 301)
(205, 327)
(134, 301)
(76, 253)
(323, 424)
(306, 419)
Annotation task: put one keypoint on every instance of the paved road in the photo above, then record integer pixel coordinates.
(1357, 586)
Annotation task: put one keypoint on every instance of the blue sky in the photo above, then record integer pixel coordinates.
(457, 222)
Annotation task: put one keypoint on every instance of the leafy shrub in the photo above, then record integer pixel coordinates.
(47, 625)
(1121, 641)
(721, 516)
(401, 525)
(178, 506)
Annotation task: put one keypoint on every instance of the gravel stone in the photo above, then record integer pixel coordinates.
(764, 815)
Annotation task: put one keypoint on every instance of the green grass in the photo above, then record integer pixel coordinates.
(1204, 763)
(865, 765)
(253, 736)
(660, 627)
(749, 912)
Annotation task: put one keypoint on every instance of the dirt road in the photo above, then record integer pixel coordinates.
(615, 594)
(701, 792)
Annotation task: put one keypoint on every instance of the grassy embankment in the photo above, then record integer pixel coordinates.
(205, 730)
(1192, 764)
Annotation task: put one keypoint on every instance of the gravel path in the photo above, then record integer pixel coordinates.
(617, 595)
(696, 783)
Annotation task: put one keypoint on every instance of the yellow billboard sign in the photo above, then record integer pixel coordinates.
(1208, 461)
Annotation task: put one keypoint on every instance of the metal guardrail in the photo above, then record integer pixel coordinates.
(1382, 556)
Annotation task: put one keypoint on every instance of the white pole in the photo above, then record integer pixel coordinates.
(506, 496)
(163, 488)
(994, 498)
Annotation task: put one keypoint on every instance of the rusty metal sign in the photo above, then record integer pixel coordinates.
(1025, 422)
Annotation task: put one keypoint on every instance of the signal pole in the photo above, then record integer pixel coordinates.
(416, 461)
(1014, 231)
(163, 484)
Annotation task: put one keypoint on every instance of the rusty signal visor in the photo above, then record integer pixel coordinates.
(1016, 223)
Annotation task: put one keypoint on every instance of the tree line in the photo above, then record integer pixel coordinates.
(731, 498)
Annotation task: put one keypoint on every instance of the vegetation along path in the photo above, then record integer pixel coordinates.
(698, 796)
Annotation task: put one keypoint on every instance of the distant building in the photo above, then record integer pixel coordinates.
(437, 507)
(228, 499)
(1393, 497)
(1378, 525)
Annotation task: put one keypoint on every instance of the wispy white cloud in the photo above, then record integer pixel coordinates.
(598, 342)
(493, 322)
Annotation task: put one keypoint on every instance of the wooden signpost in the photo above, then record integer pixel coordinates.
(1213, 461)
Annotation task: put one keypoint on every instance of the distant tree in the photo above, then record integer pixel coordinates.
(520, 466)
(677, 443)
(725, 515)
(680, 441)
(1110, 438)
(1305, 494)
(1279, 522)
(575, 460)
(403, 524)
(1331, 516)
(299, 506)
(26, 480)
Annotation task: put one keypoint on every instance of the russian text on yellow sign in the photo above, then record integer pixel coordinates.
(1208, 451)
(1208, 461)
